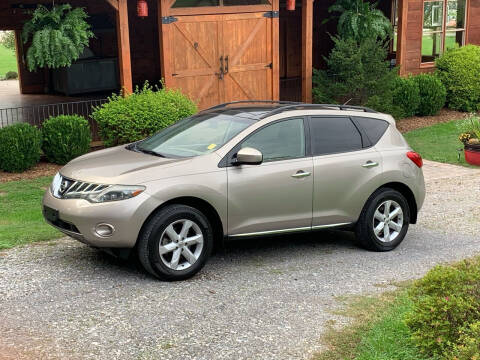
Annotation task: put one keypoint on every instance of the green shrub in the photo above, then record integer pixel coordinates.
(11, 75)
(432, 94)
(141, 114)
(406, 95)
(20, 147)
(459, 70)
(65, 137)
(468, 346)
(446, 304)
(384, 103)
(355, 72)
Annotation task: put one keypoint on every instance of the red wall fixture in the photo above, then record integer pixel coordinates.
(291, 5)
(142, 8)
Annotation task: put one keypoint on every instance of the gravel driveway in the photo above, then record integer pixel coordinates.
(260, 299)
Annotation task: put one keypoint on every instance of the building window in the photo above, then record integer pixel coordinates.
(443, 27)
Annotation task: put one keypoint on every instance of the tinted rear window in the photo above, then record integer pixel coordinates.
(334, 135)
(373, 128)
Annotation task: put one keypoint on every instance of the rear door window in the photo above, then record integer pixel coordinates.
(335, 134)
(372, 128)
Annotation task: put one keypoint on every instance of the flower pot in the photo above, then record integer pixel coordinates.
(472, 154)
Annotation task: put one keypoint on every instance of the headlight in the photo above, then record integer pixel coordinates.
(115, 193)
(65, 188)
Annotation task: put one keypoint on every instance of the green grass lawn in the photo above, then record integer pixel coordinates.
(377, 332)
(21, 219)
(438, 143)
(8, 61)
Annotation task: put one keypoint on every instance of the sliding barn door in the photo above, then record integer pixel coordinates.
(221, 58)
(247, 48)
(191, 52)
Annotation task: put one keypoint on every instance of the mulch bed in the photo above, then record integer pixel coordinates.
(41, 169)
(417, 122)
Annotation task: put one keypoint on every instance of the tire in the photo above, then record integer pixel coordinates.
(371, 222)
(163, 233)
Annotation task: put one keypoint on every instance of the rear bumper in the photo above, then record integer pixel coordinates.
(78, 219)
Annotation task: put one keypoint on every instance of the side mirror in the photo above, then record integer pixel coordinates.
(249, 156)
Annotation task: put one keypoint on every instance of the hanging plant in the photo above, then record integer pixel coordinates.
(58, 36)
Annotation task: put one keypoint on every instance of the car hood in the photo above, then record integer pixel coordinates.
(119, 165)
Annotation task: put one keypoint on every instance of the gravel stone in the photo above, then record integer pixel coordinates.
(258, 299)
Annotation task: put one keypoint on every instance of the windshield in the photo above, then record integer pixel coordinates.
(196, 135)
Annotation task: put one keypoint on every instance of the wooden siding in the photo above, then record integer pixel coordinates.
(473, 22)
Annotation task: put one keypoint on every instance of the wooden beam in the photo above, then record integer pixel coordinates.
(276, 49)
(123, 39)
(19, 54)
(113, 3)
(402, 35)
(307, 49)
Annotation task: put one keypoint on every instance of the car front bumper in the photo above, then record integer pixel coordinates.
(79, 218)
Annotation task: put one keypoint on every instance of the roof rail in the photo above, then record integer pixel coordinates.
(299, 106)
(220, 106)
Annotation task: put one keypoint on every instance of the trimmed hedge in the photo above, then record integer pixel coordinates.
(20, 147)
(65, 137)
(445, 318)
(127, 119)
(406, 95)
(459, 71)
(11, 75)
(432, 94)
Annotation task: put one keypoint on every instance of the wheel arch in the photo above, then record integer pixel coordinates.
(409, 196)
(200, 204)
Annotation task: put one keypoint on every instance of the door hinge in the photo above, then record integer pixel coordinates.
(271, 14)
(168, 19)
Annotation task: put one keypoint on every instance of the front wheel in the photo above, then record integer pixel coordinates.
(384, 221)
(175, 243)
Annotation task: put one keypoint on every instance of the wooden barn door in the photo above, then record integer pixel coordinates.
(247, 48)
(191, 52)
(220, 58)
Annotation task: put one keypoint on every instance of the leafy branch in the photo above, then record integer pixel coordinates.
(58, 36)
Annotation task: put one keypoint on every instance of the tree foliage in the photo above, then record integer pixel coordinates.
(359, 20)
(58, 36)
(7, 39)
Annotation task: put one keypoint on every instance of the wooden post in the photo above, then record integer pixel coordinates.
(401, 35)
(307, 49)
(276, 49)
(123, 39)
(19, 53)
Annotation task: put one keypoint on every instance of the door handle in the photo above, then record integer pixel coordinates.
(370, 164)
(222, 71)
(301, 174)
(226, 64)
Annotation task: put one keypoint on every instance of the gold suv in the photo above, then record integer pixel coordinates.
(240, 170)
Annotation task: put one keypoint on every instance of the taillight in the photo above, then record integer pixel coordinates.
(416, 158)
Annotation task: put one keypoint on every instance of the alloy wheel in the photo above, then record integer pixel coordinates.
(181, 244)
(388, 221)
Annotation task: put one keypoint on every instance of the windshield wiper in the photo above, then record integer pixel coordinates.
(135, 148)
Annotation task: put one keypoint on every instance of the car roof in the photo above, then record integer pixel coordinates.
(258, 110)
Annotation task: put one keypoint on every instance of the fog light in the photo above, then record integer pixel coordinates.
(104, 230)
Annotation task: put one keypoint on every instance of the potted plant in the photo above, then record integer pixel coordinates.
(470, 137)
(58, 36)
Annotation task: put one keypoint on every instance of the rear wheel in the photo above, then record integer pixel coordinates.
(175, 243)
(384, 221)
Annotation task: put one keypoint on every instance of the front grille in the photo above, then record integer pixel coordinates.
(75, 189)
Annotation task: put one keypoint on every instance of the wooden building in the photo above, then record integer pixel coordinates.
(224, 50)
